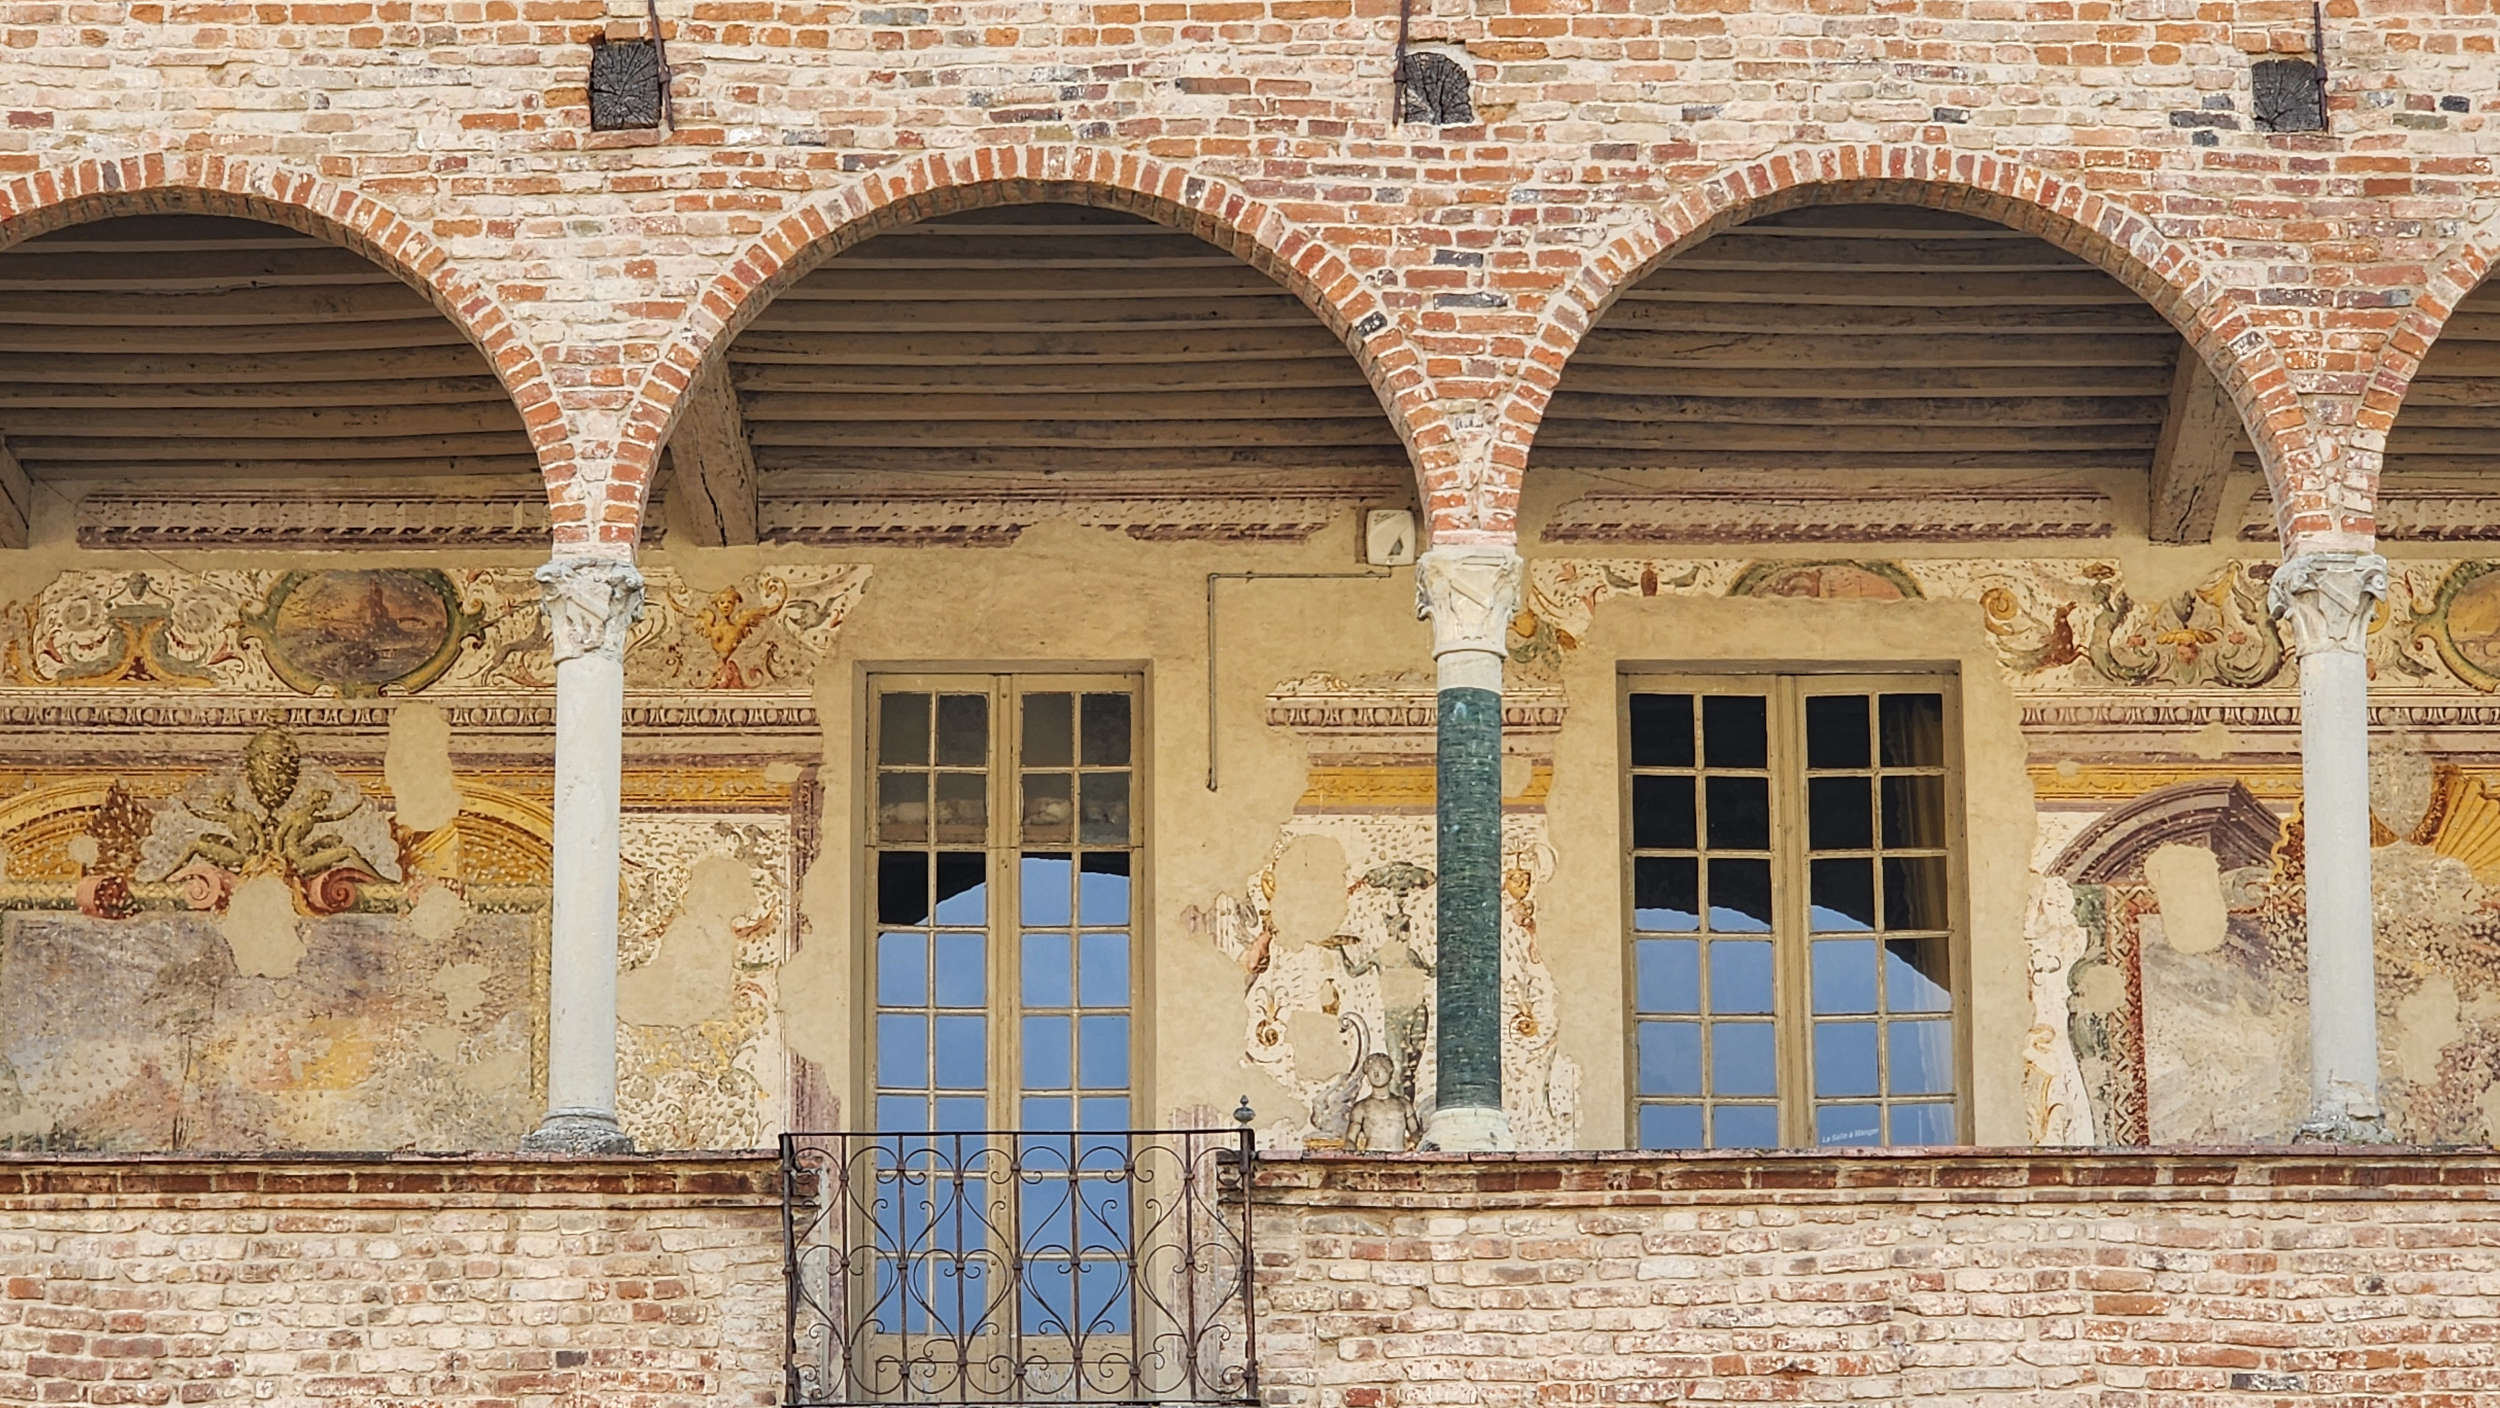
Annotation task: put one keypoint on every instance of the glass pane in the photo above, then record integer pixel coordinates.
(1103, 889)
(1106, 730)
(1102, 1061)
(902, 970)
(902, 1051)
(1671, 1126)
(1049, 731)
(1045, 971)
(1841, 895)
(1045, 1112)
(902, 887)
(1911, 729)
(1744, 1059)
(1102, 812)
(1739, 813)
(963, 1053)
(1924, 1124)
(963, 730)
(1921, 1058)
(1734, 731)
(1844, 976)
(1918, 975)
(961, 1112)
(903, 728)
(1662, 812)
(963, 970)
(1914, 811)
(1666, 894)
(1102, 970)
(1042, 879)
(1104, 1112)
(1844, 1059)
(1670, 1058)
(1740, 896)
(962, 887)
(1668, 977)
(1745, 1127)
(1740, 977)
(1049, 807)
(1662, 731)
(1843, 1126)
(1914, 894)
(1836, 731)
(1840, 814)
(963, 807)
(1049, 1048)
(902, 806)
(902, 1112)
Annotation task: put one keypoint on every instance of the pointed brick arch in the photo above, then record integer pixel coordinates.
(190, 184)
(1250, 230)
(2121, 242)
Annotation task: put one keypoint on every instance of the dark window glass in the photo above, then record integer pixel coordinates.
(1739, 811)
(1106, 730)
(1662, 812)
(1666, 894)
(1735, 731)
(1662, 730)
(1836, 733)
(1840, 814)
(903, 729)
(1912, 728)
(1049, 731)
(902, 887)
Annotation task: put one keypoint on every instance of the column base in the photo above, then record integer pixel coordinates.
(1468, 1129)
(578, 1132)
(2339, 1128)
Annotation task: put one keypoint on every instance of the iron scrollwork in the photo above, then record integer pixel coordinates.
(1014, 1266)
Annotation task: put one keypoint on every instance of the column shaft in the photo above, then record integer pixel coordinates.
(1469, 595)
(2328, 599)
(590, 605)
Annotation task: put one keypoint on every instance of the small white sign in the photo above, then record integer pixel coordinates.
(1389, 537)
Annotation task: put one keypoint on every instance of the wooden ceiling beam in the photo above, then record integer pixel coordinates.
(2200, 437)
(17, 500)
(712, 467)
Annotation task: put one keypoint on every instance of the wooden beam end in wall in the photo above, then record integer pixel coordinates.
(2200, 437)
(712, 468)
(17, 500)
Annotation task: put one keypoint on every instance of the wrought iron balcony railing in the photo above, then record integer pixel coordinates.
(1016, 1266)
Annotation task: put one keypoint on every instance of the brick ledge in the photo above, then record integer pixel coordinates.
(717, 1179)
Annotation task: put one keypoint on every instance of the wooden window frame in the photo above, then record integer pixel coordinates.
(1004, 1007)
(1784, 688)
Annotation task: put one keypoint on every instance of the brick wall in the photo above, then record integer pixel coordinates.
(2179, 1280)
(1463, 263)
(490, 1281)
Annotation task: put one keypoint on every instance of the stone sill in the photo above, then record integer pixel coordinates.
(1623, 1178)
(709, 1179)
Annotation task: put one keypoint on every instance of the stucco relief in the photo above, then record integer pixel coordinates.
(359, 633)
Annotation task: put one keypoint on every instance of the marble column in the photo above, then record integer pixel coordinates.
(2327, 599)
(590, 603)
(1469, 594)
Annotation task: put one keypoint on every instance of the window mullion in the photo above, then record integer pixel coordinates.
(1789, 907)
(1006, 906)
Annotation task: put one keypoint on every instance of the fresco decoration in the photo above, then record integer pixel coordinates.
(360, 633)
(1334, 940)
(1831, 580)
(2457, 621)
(260, 956)
(707, 923)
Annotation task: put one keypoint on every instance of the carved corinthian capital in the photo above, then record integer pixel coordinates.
(1469, 595)
(2328, 597)
(591, 602)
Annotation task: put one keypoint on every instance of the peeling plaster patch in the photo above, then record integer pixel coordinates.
(2426, 1024)
(425, 794)
(2099, 987)
(2489, 1104)
(687, 980)
(463, 986)
(260, 927)
(813, 1004)
(2187, 885)
(438, 914)
(2213, 741)
(1310, 902)
(2069, 767)
(2419, 886)
(441, 1043)
(82, 849)
(781, 774)
(2403, 780)
(1517, 773)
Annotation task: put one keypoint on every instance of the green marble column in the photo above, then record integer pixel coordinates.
(1469, 594)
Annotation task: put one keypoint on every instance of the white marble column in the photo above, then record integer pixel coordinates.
(2328, 598)
(1469, 594)
(591, 603)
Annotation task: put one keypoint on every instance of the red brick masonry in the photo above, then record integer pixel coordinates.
(2240, 1277)
(2180, 1279)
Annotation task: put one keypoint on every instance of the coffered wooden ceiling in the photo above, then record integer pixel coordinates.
(1878, 339)
(200, 346)
(1025, 338)
(2449, 427)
